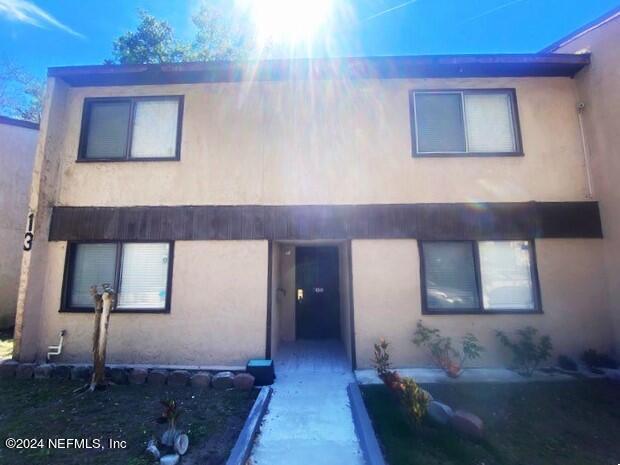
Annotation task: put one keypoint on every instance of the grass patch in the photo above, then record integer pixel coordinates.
(49, 409)
(6, 343)
(572, 423)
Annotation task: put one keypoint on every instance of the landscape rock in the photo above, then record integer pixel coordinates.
(80, 373)
(61, 372)
(202, 379)
(138, 376)
(223, 380)
(428, 395)
(8, 368)
(25, 370)
(119, 376)
(439, 413)
(243, 381)
(178, 378)
(157, 377)
(43, 371)
(170, 459)
(468, 424)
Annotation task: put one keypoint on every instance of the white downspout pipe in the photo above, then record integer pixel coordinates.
(586, 152)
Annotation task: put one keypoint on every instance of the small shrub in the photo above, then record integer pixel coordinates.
(413, 399)
(527, 352)
(594, 359)
(567, 363)
(442, 351)
(381, 359)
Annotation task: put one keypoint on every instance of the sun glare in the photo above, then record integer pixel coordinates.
(288, 21)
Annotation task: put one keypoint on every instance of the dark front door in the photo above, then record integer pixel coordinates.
(317, 293)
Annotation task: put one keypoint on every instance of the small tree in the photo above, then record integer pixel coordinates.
(442, 351)
(527, 352)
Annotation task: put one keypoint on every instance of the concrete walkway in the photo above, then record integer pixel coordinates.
(309, 419)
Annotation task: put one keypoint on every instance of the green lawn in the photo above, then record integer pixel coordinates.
(49, 409)
(6, 344)
(568, 423)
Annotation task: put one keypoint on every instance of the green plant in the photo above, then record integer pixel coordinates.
(381, 359)
(594, 359)
(414, 399)
(170, 413)
(528, 352)
(443, 352)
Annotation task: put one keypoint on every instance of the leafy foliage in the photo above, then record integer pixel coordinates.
(170, 413)
(443, 352)
(528, 352)
(567, 363)
(217, 37)
(412, 399)
(594, 359)
(21, 94)
(381, 359)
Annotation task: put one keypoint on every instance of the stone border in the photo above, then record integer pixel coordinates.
(241, 451)
(363, 427)
(124, 374)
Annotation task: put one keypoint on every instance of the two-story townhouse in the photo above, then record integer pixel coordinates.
(235, 206)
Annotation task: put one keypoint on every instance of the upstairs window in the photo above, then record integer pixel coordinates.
(465, 122)
(478, 277)
(138, 271)
(137, 128)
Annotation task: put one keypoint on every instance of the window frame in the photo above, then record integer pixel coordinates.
(85, 124)
(516, 127)
(477, 273)
(66, 307)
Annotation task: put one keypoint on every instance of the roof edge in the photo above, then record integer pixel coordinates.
(19, 122)
(586, 28)
(385, 67)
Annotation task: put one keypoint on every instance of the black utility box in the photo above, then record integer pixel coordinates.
(262, 370)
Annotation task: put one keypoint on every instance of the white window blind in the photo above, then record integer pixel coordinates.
(93, 264)
(108, 124)
(155, 128)
(505, 270)
(144, 276)
(489, 124)
(450, 275)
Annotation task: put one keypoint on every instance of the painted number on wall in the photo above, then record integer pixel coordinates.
(29, 236)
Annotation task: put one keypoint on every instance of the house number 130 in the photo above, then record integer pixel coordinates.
(29, 236)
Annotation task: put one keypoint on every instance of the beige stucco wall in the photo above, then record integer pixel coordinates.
(217, 316)
(17, 150)
(598, 86)
(330, 141)
(386, 284)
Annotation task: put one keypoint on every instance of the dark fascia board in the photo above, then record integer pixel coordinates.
(444, 221)
(422, 66)
(598, 22)
(19, 122)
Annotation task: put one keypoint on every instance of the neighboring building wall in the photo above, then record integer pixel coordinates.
(17, 150)
(598, 86)
(386, 286)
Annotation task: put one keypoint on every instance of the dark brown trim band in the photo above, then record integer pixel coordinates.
(436, 221)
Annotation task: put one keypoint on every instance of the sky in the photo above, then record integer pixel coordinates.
(37, 34)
